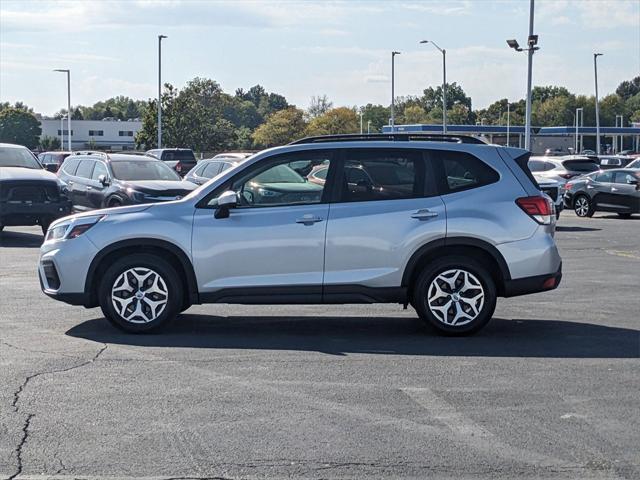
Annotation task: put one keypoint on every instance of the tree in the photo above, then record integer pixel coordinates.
(432, 98)
(77, 114)
(335, 121)
(629, 88)
(48, 143)
(378, 115)
(413, 114)
(542, 94)
(18, 125)
(280, 128)
(319, 106)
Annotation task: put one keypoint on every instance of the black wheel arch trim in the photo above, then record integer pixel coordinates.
(180, 254)
(426, 249)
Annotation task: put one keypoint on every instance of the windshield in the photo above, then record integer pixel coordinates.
(143, 170)
(17, 157)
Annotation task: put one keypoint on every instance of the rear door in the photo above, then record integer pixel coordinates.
(81, 181)
(600, 191)
(385, 206)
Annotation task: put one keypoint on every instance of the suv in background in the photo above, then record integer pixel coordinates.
(180, 159)
(52, 161)
(98, 180)
(562, 168)
(29, 195)
(205, 170)
(448, 225)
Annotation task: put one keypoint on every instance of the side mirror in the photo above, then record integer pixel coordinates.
(226, 201)
(104, 181)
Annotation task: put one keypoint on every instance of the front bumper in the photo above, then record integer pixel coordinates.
(29, 213)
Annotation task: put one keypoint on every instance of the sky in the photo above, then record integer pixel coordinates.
(341, 49)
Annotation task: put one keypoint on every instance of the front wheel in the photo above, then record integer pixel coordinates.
(456, 295)
(140, 292)
(582, 206)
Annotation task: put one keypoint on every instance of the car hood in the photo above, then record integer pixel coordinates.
(21, 173)
(160, 186)
(105, 211)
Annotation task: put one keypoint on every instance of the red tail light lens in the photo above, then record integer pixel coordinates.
(568, 185)
(539, 208)
(566, 175)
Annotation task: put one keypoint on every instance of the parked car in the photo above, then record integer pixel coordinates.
(462, 223)
(634, 164)
(29, 195)
(52, 161)
(606, 191)
(98, 180)
(236, 155)
(554, 189)
(629, 153)
(562, 168)
(180, 159)
(205, 170)
(614, 161)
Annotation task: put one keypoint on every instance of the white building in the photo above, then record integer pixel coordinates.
(87, 134)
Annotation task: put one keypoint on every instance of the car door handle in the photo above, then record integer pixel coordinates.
(308, 219)
(424, 214)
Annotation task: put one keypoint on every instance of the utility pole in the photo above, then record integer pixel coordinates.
(160, 37)
(393, 93)
(595, 71)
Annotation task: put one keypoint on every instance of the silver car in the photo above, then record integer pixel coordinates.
(446, 224)
(561, 169)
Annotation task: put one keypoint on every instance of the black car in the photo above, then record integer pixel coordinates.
(99, 180)
(29, 195)
(205, 170)
(180, 159)
(614, 190)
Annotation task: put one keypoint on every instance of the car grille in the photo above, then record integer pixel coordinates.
(552, 192)
(36, 192)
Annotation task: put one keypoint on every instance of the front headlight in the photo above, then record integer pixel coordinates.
(72, 228)
(136, 195)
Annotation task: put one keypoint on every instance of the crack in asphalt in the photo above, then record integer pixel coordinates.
(2, 342)
(27, 423)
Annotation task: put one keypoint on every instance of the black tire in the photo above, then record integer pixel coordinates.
(624, 215)
(45, 226)
(114, 202)
(579, 206)
(479, 275)
(138, 323)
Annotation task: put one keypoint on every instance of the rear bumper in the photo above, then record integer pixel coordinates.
(538, 283)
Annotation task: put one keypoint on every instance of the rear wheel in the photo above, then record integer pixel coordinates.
(455, 295)
(582, 206)
(140, 292)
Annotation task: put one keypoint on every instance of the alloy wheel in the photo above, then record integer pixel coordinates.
(455, 297)
(582, 206)
(139, 295)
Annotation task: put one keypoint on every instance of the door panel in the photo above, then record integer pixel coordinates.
(254, 247)
(369, 243)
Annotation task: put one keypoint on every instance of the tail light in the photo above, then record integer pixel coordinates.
(541, 209)
(179, 167)
(568, 185)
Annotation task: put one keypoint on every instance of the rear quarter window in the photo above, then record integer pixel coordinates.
(580, 165)
(463, 171)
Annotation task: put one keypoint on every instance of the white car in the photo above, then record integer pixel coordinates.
(554, 189)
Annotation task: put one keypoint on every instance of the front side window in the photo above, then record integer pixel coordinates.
(463, 171)
(280, 181)
(371, 175)
(85, 168)
(99, 169)
(626, 178)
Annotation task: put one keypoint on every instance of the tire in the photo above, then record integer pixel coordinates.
(582, 206)
(114, 202)
(45, 226)
(133, 313)
(624, 215)
(459, 270)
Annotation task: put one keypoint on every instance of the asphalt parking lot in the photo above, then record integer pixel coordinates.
(550, 389)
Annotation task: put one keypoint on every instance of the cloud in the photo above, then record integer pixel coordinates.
(591, 14)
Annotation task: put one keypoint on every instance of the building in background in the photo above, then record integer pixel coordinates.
(107, 134)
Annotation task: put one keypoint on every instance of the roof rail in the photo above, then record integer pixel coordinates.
(392, 137)
(92, 152)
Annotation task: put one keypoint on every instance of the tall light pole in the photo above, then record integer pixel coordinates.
(595, 71)
(368, 127)
(444, 83)
(361, 115)
(508, 120)
(62, 132)
(393, 92)
(579, 115)
(532, 41)
(68, 72)
(619, 136)
(160, 37)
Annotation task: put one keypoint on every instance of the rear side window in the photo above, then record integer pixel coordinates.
(580, 165)
(605, 177)
(463, 171)
(85, 168)
(537, 166)
(372, 175)
(70, 166)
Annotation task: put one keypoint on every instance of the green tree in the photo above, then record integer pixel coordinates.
(20, 126)
(280, 128)
(629, 88)
(77, 114)
(432, 97)
(335, 121)
(633, 108)
(378, 115)
(48, 143)
(413, 114)
(542, 94)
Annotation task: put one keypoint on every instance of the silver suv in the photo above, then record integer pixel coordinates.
(444, 223)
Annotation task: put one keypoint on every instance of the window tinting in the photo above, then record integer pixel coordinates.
(625, 177)
(99, 169)
(85, 168)
(605, 177)
(463, 171)
(382, 175)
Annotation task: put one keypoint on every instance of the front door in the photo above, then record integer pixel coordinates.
(272, 243)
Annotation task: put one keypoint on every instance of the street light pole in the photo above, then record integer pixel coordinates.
(68, 72)
(361, 114)
(368, 127)
(160, 37)
(619, 136)
(508, 120)
(444, 83)
(595, 71)
(580, 115)
(393, 93)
